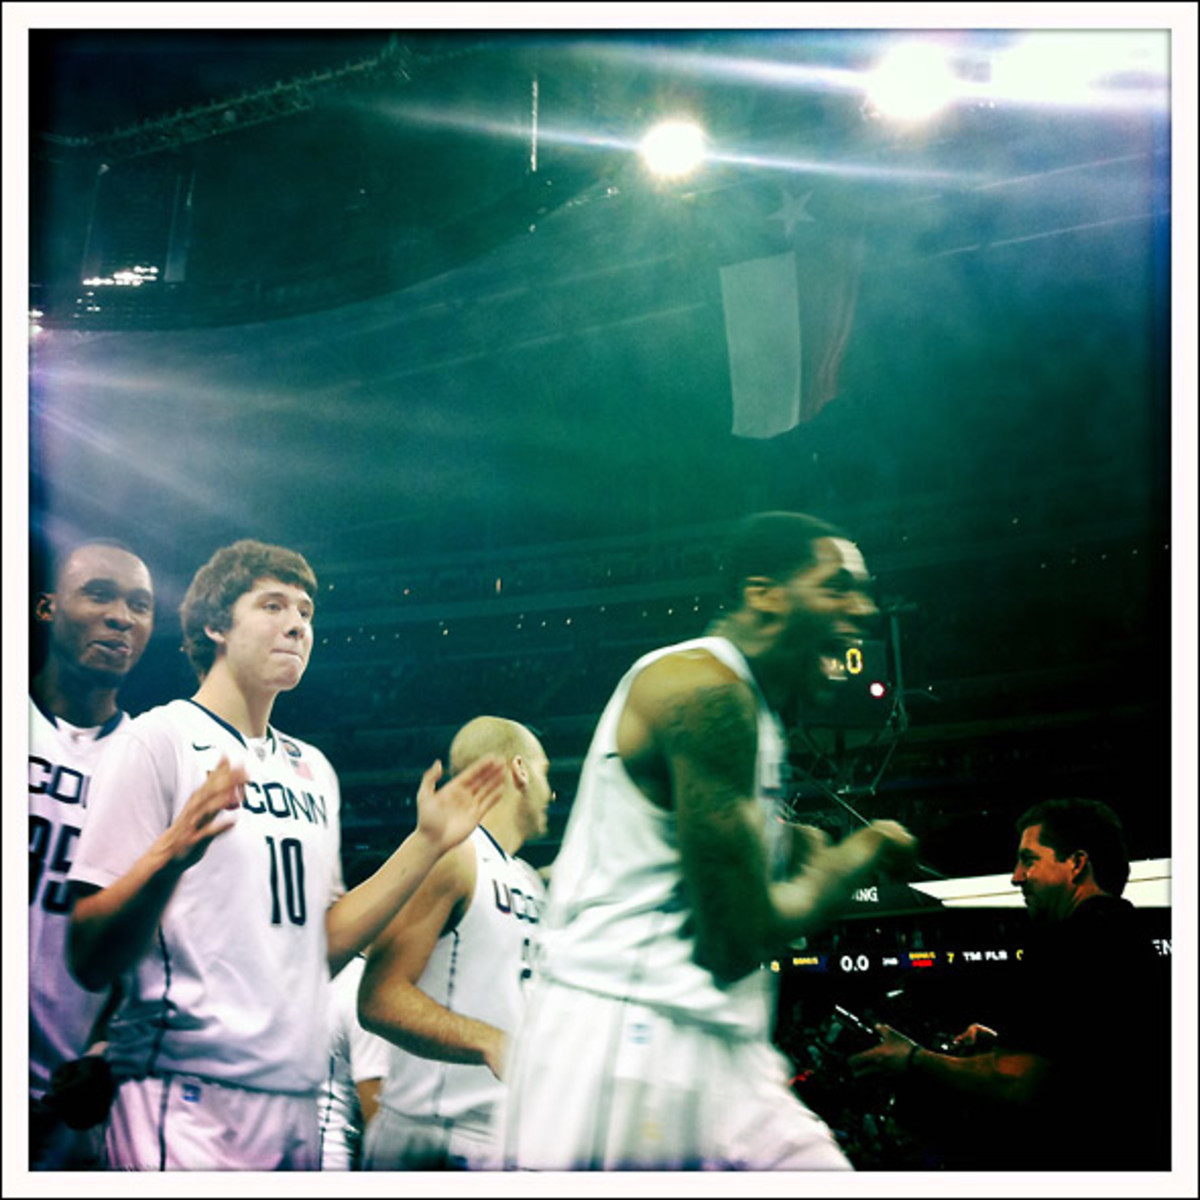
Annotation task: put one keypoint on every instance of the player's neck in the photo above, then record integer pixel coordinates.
(504, 828)
(248, 713)
(72, 698)
(755, 646)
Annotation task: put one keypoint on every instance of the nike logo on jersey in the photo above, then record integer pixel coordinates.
(195, 747)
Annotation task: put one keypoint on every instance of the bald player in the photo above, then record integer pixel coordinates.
(98, 613)
(445, 982)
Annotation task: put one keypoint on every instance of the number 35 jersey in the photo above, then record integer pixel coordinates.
(234, 985)
(61, 1013)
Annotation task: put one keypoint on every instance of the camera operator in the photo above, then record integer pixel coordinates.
(1079, 1078)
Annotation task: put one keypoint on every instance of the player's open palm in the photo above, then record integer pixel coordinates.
(199, 821)
(447, 815)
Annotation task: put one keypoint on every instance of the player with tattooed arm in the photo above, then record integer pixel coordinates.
(646, 1041)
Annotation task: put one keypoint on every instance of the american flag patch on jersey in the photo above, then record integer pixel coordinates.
(298, 764)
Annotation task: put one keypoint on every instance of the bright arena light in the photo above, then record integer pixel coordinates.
(673, 148)
(1069, 66)
(912, 82)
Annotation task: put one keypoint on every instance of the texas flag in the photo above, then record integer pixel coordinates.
(790, 263)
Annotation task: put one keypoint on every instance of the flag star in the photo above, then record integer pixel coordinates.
(792, 209)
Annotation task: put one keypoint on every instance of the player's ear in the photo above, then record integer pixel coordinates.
(215, 635)
(520, 771)
(1080, 864)
(762, 593)
(44, 608)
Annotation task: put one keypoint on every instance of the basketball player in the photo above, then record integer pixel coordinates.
(99, 613)
(214, 887)
(349, 1097)
(445, 982)
(646, 1041)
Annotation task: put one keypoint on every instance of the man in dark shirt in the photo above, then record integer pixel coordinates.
(1079, 1077)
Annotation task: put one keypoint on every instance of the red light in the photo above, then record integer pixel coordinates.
(878, 690)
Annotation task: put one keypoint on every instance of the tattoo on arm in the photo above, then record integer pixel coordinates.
(714, 729)
(710, 741)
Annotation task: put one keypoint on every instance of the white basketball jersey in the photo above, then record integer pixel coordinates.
(618, 921)
(61, 1013)
(234, 987)
(354, 1055)
(479, 969)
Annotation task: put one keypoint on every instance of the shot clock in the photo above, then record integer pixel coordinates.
(862, 693)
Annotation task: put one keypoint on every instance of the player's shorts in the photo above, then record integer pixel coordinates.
(597, 1083)
(396, 1142)
(182, 1123)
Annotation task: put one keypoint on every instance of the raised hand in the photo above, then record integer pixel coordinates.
(193, 831)
(448, 815)
(111, 928)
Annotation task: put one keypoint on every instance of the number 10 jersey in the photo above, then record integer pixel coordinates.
(234, 986)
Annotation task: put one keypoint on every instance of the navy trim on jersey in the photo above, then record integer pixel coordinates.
(237, 733)
(103, 731)
(219, 720)
(43, 710)
(162, 1122)
(110, 724)
(326, 1123)
(156, 1046)
(494, 842)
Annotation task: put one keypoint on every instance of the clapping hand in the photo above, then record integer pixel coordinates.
(193, 831)
(448, 815)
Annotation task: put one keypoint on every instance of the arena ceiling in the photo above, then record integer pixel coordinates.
(416, 296)
(369, 307)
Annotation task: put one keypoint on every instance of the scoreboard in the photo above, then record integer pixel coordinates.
(857, 962)
(957, 952)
